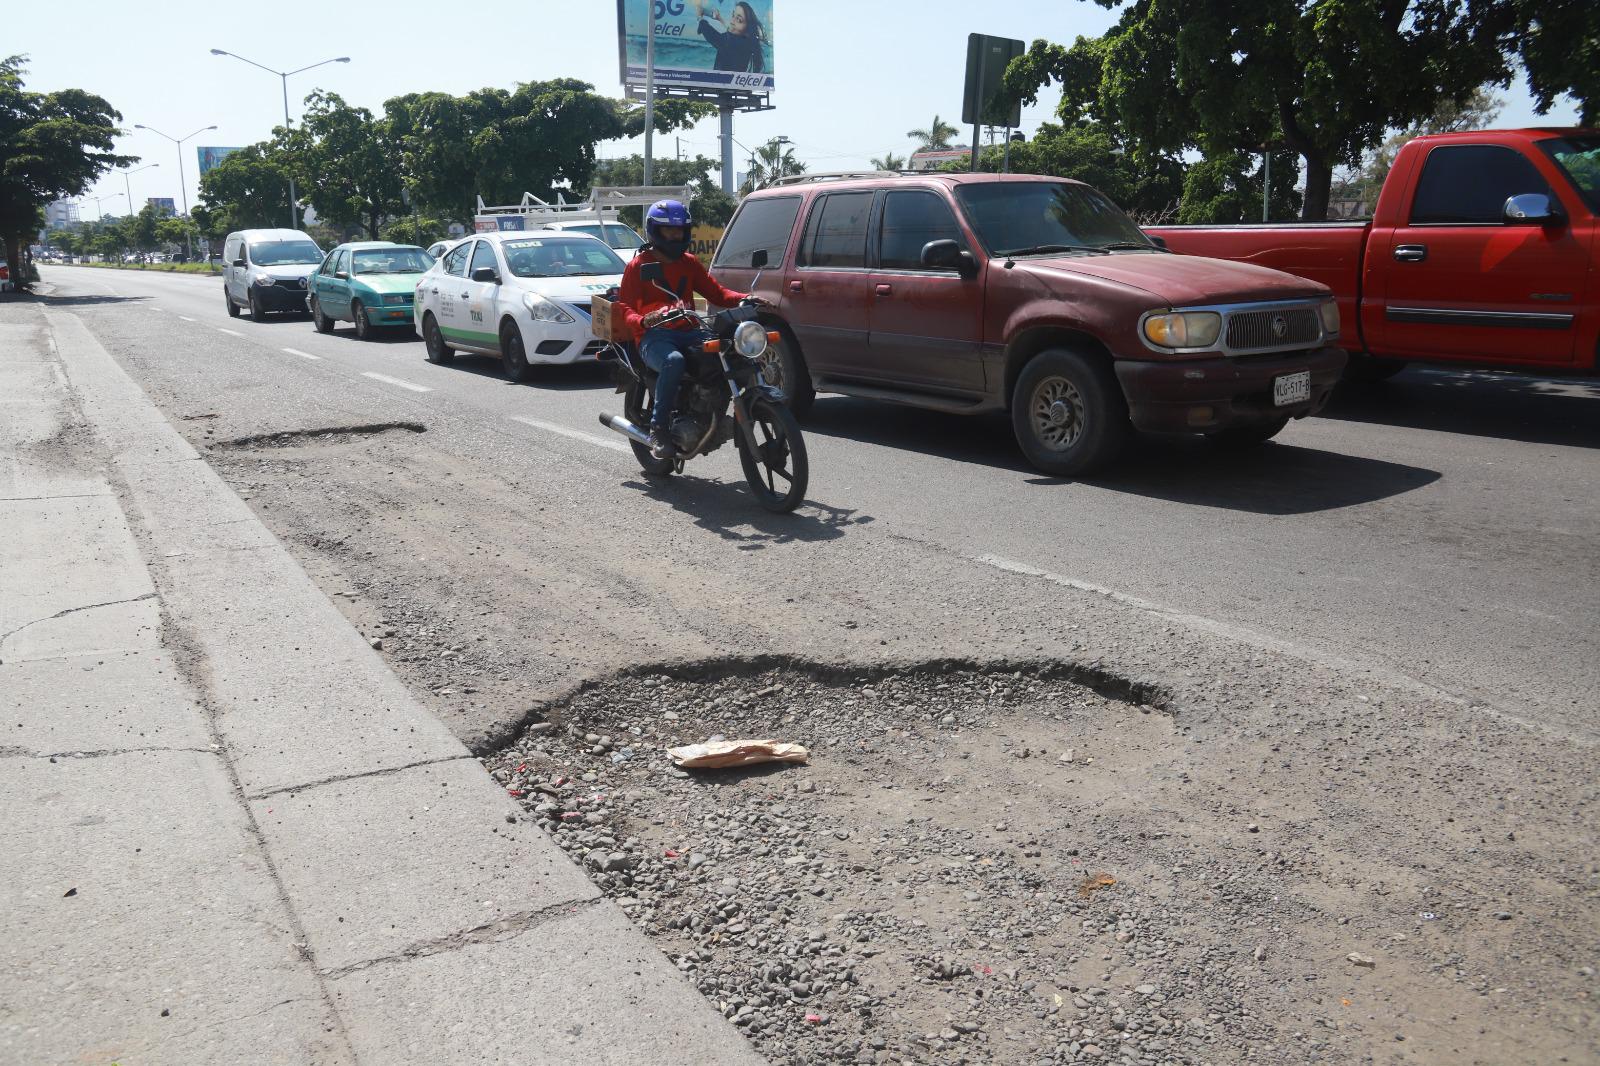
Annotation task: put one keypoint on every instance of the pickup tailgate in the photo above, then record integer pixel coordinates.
(1330, 253)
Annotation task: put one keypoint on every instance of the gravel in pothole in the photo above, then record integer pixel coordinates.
(917, 893)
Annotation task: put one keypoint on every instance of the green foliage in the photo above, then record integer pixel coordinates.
(421, 232)
(1225, 189)
(1326, 78)
(51, 145)
(343, 160)
(1363, 181)
(936, 136)
(772, 160)
(247, 190)
(1558, 44)
(1145, 185)
(889, 161)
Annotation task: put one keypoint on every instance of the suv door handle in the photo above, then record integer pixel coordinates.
(797, 286)
(885, 290)
(1410, 253)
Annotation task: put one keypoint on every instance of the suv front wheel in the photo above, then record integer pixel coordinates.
(1068, 413)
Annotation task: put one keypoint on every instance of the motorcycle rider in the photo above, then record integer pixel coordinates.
(665, 348)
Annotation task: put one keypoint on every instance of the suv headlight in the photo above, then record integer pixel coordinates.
(1330, 318)
(1184, 329)
(265, 279)
(543, 310)
(750, 339)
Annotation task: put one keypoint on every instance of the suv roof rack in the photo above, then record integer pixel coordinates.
(831, 175)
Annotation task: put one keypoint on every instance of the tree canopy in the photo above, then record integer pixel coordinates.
(51, 145)
(344, 162)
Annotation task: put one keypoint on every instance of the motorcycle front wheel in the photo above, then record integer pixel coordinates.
(776, 469)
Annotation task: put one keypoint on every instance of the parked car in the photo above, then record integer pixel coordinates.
(438, 248)
(267, 270)
(370, 283)
(980, 292)
(522, 296)
(1483, 250)
(624, 240)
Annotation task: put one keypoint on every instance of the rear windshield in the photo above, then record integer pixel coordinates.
(392, 261)
(1579, 159)
(557, 257)
(1037, 217)
(285, 253)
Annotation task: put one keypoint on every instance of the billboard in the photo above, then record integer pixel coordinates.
(210, 157)
(164, 205)
(700, 44)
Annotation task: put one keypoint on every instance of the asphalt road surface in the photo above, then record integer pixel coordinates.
(1441, 527)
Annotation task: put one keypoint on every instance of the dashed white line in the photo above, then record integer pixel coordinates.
(153, 307)
(398, 382)
(230, 332)
(303, 355)
(575, 434)
(186, 318)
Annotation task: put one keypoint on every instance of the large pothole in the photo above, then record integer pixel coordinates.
(929, 888)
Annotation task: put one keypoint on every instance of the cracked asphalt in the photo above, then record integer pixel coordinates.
(1377, 634)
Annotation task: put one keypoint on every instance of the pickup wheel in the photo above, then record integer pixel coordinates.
(1068, 413)
(1239, 437)
(784, 368)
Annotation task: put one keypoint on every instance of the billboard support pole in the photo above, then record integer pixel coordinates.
(1005, 165)
(983, 64)
(649, 92)
(727, 148)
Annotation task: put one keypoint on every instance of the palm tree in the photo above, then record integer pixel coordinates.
(889, 161)
(936, 136)
(773, 160)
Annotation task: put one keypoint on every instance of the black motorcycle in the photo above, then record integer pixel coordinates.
(726, 373)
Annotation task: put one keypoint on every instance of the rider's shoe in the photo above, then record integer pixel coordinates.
(661, 445)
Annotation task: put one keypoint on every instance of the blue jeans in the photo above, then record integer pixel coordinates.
(663, 351)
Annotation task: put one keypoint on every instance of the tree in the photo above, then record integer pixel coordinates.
(51, 145)
(889, 161)
(248, 189)
(1558, 44)
(1326, 78)
(772, 161)
(421, 231)
(1225, 189)
(344, 161)
(935, 137)
(1144, 185)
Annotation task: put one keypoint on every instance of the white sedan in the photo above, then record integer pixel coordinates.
(521, 296)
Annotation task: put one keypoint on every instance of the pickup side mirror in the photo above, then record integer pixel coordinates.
(948, 255)
(486, 274)
(1533, 209)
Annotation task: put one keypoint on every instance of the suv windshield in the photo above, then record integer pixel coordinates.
(1039, 217)
(285, 253)
(557, 257)
(392, 261)
(1579, 159)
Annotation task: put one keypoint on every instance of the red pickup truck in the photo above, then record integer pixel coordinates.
(1482, 251)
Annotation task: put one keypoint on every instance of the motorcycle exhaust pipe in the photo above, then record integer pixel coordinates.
(626, 428)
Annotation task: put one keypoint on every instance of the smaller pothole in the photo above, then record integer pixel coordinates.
(295, 438)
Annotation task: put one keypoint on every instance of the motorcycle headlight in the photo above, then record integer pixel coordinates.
(1330, 318)
(750, 339)
(543, 310)
(265, 279)
(1184, 329)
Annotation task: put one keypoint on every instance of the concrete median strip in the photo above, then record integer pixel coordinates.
(357, 884)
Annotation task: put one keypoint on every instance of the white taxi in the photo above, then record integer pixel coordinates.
(521, 296)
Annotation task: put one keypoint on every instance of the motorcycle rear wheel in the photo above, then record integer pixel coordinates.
(777, 471)
(636, 408)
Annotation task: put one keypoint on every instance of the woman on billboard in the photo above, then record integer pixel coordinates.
(739, 45)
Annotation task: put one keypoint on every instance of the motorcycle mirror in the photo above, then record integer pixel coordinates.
(758, 259)
(653, 273)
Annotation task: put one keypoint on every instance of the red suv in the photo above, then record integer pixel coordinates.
(1033, 295)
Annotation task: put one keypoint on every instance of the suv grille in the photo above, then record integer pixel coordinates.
(1250, 330)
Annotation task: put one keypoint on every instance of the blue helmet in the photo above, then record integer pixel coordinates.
(667, 213)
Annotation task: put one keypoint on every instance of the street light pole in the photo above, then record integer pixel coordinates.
(183, 184)
(128, 185)
(284, 76)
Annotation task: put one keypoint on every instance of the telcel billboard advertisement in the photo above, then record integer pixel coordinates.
(700, 44)
(210, 157)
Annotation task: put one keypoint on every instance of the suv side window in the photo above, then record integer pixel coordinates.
(483, 256)
(1470, 183)
(456, 262)
(836, 235)
(910, 220)
(760, 225)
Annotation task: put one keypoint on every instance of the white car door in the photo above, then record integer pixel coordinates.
(481, 298)
(445, 291)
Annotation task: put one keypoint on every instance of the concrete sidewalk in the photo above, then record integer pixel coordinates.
(231, 835)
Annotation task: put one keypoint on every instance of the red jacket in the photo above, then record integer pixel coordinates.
(684, 276)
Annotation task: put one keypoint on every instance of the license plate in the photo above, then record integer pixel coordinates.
(1291, 388)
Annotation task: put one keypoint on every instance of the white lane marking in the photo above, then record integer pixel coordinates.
(186, 318)
(575, 434)
(400, 382)
(230, 332)
(303, 355)
(153, 307)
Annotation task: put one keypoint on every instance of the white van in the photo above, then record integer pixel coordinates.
(268, 270)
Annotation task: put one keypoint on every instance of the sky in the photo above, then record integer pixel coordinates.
(852, 76)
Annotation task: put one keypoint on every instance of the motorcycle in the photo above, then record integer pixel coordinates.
(726, 373)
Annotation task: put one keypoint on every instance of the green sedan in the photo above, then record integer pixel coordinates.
(370, 283)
